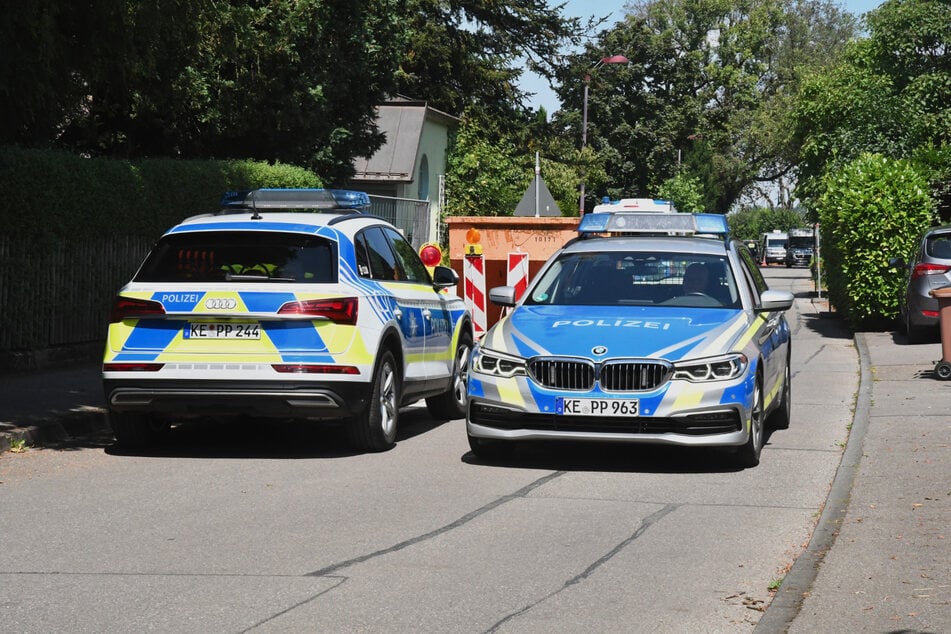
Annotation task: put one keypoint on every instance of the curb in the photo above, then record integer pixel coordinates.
(797, 584)
(56, 432)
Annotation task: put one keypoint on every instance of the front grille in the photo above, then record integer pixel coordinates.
(630, 376)
(614, 376)
(692, 425)
(562, 374)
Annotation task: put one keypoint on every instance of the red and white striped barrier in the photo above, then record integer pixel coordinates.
(517, 273)
(473, 279)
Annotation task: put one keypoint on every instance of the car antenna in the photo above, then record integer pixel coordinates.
(254, 207)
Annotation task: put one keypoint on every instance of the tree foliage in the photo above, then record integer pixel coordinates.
(284, 80)
(891, 95)
(707, 90)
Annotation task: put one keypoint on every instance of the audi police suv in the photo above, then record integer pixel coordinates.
(288, 303)
(646, 328)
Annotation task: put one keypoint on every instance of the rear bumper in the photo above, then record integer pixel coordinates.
(268, 399)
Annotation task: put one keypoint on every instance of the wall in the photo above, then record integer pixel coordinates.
(539, 237)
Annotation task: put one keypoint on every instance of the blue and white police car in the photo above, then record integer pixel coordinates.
(285, 303)
(646, 328)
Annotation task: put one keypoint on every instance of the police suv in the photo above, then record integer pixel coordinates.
(647, 328)
(285, 303)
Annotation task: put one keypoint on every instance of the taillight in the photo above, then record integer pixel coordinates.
(921, 270)
(132, 367)
(342, 310)
(132, 308)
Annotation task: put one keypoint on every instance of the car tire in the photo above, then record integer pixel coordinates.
(452, 403)
(489, 448)
(136, 431)
(748, 454)
(913, 334)
(780, 417)
(374, 429)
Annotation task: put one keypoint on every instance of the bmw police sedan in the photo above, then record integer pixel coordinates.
(287, 304)
(647, 328)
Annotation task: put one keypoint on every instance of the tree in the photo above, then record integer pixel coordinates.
(706, 91)
(890, 96)
(295, 81)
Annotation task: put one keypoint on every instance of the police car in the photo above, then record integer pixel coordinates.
(647, 328)
(291, 304)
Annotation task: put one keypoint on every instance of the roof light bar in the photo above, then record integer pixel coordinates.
(674, 223)
(295, 199)
(634, 204)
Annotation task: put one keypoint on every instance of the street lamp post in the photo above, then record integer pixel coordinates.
(613, 59)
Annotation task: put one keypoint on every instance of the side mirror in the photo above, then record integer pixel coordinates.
(444, 277)
(771, 301)
(897, 263)
(502, 295)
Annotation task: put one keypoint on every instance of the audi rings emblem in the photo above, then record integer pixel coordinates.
(220, 303)
(599, 351)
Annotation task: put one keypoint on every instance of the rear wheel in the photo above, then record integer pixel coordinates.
(452, 404)
(913, 334)
(136, 430)
(374, 429)
(780, 417)
(748, 455)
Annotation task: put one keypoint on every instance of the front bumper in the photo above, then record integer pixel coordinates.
(719, 427)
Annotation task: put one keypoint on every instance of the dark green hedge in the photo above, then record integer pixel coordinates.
(74, 229)
(55, 192)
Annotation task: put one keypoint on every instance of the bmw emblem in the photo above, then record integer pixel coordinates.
(599, 351)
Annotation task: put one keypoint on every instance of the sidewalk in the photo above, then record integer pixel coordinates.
(49, 408)
(880, 557)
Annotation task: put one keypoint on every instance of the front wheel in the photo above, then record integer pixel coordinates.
(374, 429)
(452, 404)
(780, 417)
(748, 455)
(489, 448)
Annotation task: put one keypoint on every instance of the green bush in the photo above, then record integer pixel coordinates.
(55, 192)
(73, 229)
(871, 210)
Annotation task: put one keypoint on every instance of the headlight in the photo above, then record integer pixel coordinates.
(498, 364)
(728, 366)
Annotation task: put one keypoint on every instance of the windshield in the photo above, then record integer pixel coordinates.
(240, 256)
(637, 279)
(801, 242)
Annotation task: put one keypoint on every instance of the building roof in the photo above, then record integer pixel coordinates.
(401, 120)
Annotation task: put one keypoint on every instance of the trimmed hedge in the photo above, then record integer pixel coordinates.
(74, 229)
(55, 192)
(870, 211)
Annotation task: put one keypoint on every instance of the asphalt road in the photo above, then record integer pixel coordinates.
(257, 527)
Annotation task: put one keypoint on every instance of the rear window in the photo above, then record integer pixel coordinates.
(939, 246)
(241, 256)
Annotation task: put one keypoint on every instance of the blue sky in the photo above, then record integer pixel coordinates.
(615, 9)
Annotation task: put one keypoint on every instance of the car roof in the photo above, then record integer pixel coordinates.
(294, 222)
(701, 246)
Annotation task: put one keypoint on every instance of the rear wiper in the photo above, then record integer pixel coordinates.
(246, 277)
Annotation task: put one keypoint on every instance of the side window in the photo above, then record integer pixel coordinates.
(381, 259)
(752, 273)
(413, 268)
(361, 250)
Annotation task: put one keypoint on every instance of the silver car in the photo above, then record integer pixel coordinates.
(929, 268)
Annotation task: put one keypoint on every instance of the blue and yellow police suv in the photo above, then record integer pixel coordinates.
(288, 304)
(646, 328)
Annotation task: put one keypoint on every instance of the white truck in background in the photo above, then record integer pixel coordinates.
(772, 247)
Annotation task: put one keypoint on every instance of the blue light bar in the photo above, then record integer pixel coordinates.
(295, 199)
(654, 223)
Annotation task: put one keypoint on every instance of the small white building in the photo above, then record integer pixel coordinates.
(410, 164)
